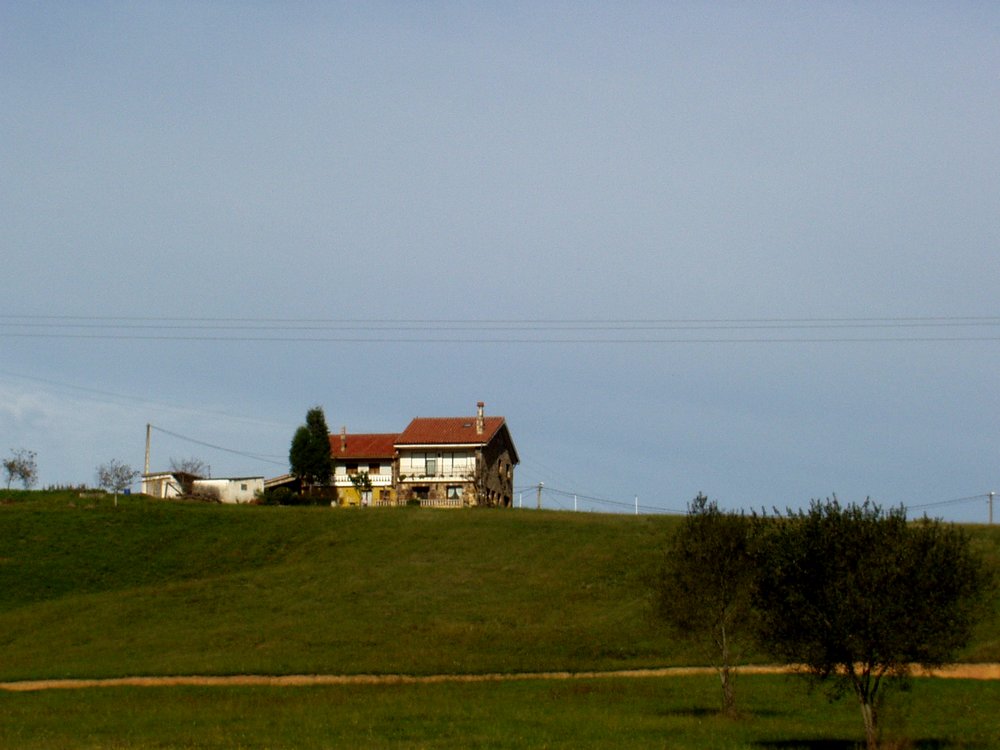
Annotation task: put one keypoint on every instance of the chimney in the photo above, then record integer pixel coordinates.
(343, 439)
(480, 422)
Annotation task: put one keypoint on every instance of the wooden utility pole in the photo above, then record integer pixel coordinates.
(540, 484)
(991, 506)
(145, 466)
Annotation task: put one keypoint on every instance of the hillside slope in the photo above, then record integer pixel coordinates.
(90, 590)
(158, 588)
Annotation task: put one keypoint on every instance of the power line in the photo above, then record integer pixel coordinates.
(514, 321)
(554, 494)
(954, 501)
(504, 340)
(109, 397)
(494, 331)
(255, 456)
(606, 501)
(506, 326)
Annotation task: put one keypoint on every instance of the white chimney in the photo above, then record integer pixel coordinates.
(480, 422)
(343, 439)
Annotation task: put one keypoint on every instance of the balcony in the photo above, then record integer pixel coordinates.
(377, 480)
(457, 476)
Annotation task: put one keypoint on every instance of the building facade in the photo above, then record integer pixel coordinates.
(364, 468)
(436, 461)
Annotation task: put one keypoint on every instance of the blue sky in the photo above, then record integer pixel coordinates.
(210, 210)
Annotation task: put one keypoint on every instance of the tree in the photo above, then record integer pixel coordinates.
(309, 456)
(192, 465)
(115, 476)
(703, 588)
(856, 596)
(22, 465)
(362, 485)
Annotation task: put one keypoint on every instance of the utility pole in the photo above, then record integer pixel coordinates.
(991, 506)
(146, 464)
(540, 485)
(637, 505)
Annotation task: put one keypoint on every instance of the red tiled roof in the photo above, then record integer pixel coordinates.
(448, 430)
(364, 445)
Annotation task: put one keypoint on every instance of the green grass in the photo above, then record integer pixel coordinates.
(162, 588)
(675, 713)
(90, 590)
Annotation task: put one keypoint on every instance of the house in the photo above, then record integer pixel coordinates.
(229, 489)
(174, 484)
(364, 468)
(167, 484)
(458, 461)
(435, 461)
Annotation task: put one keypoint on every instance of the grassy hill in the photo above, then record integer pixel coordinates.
(151, 587)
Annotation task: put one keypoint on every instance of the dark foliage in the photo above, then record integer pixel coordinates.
(856, 595)
(309, 456)
(703, 589)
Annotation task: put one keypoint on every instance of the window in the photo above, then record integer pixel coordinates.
(422, 493)
(366, 497)
(352, 468)
(431, 469)
(243, 486)
(454, 492)
(374, 469)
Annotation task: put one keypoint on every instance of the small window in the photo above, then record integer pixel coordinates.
(243, 486)
(374, 468)
(352, 468)
(431, 469)
(422, 493)
(454, 492)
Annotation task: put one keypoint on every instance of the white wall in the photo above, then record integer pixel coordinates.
(160, 485)
(239, 490)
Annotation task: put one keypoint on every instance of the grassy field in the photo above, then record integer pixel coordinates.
(677, 713)
(148, 588)
(158, 588)
(91, 590)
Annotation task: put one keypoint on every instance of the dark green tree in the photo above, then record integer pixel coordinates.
(703, 588)
(857, 595)
(309, 456)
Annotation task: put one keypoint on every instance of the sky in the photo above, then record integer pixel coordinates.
(745, 249)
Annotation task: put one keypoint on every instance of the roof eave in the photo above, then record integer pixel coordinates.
(406, 446)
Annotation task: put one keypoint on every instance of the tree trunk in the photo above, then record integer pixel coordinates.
(728, 690)
(870, 718)
(726, 673)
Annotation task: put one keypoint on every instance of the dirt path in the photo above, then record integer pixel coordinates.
(963, 671)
